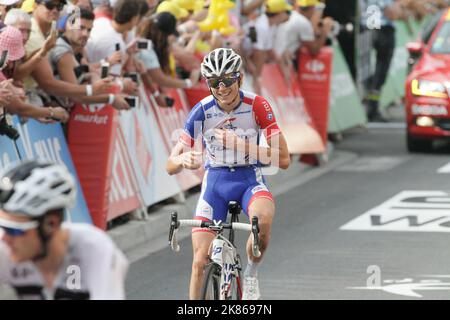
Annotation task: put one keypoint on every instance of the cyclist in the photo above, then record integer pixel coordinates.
(40, 256)
(230, 121)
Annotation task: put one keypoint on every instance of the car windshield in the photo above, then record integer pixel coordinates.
(441, 44)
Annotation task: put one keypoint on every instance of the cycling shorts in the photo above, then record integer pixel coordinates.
(222, 185)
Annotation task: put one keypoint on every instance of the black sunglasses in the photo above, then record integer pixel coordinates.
(226, 81)
(50, 5)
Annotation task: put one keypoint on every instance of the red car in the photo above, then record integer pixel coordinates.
(427, 94)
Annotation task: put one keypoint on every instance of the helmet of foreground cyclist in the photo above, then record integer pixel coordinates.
(220, 62)
(34, 188)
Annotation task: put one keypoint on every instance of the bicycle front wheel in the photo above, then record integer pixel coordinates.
(211, 282)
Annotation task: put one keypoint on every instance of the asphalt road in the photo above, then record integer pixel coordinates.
(374, 228)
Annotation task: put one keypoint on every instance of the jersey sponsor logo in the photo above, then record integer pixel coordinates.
(206, 211)
(259, 188)
(420, 211)
(269, 116)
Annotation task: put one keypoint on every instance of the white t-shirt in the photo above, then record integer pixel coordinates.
(265, 33)
(93, 268)
(102, 43)
(293, 32)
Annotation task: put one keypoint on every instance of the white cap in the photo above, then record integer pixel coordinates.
(8, 2)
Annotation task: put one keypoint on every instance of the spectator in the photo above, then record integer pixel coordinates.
(276, 12)
(383, 41)
(64, 63)
(107, 34)
(156, 60)
(44, 14)
(6, 5)
(298, 32)
(22, 21)
(11, 40)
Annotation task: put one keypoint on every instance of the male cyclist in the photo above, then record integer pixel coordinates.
(43, 258)
(230, 122)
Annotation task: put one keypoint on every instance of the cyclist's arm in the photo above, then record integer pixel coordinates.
(174, 164)
(183, 157)
(277, 154)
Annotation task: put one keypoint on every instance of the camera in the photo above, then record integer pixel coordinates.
(143, 44)
(6, 129)
(169, 102)
(105, 70)
(3, 59)
(132, 101)
(80, 70)
(252, 34)
(132, 75)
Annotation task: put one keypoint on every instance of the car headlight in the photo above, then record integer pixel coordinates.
(428, 88)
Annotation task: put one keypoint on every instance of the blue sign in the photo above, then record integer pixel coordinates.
(47, 142)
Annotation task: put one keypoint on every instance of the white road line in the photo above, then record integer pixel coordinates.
(387, 125)
(444, 169)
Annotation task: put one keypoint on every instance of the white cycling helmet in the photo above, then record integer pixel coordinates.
(219, 62)
(33, 188)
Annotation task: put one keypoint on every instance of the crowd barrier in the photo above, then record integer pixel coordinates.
(45, 142)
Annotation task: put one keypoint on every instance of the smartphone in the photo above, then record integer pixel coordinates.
(81, 69)
(133, 76)
(170, 102)
(252, 34)
(4, 59)
(117, 46)
(143, 44)
(54, 26)
(105, 70)
(132, 101)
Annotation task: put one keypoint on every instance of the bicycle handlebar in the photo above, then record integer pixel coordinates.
(215, 226)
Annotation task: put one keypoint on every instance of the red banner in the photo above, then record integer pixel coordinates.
(315, 82)
(292, 115)
(101, 163)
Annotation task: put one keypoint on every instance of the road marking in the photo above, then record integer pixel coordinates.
(387, 125)
(420, 211)
(444, 169)
(408, 287)
(372, 164)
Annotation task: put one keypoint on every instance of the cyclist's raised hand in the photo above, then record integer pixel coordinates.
(228, 139)
(191, 160)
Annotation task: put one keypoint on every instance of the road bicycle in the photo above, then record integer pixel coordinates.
(222, 274)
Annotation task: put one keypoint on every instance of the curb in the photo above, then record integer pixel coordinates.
(139, 238)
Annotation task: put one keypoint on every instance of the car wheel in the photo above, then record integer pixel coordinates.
(417, 144)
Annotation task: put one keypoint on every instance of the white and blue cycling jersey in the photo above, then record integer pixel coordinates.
(230, 175)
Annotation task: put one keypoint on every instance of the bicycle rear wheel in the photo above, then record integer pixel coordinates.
(211, 282)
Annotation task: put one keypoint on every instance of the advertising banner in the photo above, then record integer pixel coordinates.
(292, 115)
(315, 80)
(47, 142)
(346, 110)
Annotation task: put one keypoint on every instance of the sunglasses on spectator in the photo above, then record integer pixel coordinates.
(16, 229)
(50, 5)
(226, 81)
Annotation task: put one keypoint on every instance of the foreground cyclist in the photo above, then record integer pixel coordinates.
(230, 122)
(43, 258)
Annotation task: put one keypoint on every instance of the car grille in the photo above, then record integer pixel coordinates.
(444, 124)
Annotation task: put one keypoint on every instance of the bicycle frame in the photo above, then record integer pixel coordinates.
(224, 253)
